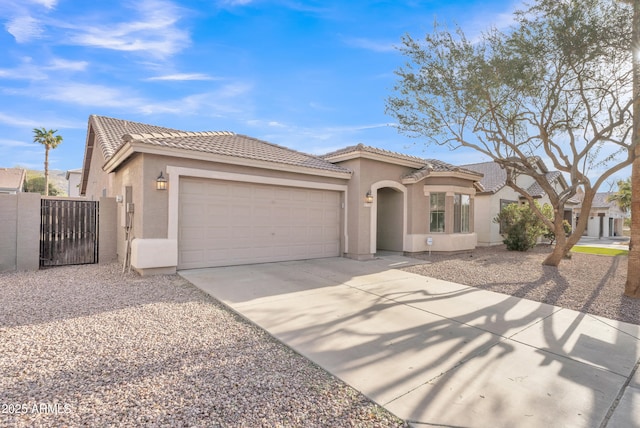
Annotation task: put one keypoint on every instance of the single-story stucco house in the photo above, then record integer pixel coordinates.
(496, 195)
(205, 199)
(12, 180)
(606, 218)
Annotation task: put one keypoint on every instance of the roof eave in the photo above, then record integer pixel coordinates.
(374, 156)
(445, 174)
(130, 147)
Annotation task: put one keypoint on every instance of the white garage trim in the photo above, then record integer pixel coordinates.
(175, 172)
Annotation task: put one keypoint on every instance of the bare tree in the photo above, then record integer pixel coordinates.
(557, 86)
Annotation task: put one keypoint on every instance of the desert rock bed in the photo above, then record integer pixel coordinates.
(587, 283)
(89, 346)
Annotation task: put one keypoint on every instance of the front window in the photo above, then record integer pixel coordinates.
(461, 213)
(503, 204)
(437, 202)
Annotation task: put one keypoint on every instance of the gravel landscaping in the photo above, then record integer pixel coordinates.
(586, 283)
(90, 346)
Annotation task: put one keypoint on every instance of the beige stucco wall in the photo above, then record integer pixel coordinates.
(150, 217)
(447, 241)
(20, 231)
(368, 174)
(107, 230)
(408, 214)
(98, 182)
(367, 233)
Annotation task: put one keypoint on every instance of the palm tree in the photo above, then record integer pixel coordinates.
(49, 141)
(623, 196)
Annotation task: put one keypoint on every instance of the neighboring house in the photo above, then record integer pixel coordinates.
(232, 199)
(606, 219)
(12, 180)
(73, 177)
(496, 195)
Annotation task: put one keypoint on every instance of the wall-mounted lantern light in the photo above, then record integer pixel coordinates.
(161, 182)
(368, 198)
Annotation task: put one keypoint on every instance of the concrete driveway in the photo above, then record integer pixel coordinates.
(437, 353)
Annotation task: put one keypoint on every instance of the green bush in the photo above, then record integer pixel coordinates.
(36, 185)
(521, 227)
(549, 234)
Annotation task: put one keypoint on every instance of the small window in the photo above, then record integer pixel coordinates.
(436, 211)
(503, 204)
(461, 213)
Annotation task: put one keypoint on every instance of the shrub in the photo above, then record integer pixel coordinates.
(521, 227)
(549, 234)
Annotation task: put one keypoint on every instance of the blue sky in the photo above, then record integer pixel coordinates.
(309, 75)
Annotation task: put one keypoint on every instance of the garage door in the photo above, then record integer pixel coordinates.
(225, 223)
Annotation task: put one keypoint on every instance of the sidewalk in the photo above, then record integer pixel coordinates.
(437, 353)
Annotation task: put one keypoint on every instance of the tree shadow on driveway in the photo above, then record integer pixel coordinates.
(442, 353)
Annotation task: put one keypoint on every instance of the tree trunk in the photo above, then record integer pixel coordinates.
(562, 246)
(632, 286)
(46, 170)
(556, 256)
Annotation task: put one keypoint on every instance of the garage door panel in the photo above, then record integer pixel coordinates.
(213, 233)
(226, 223)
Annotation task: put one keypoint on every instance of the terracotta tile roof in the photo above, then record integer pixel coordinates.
(495, 177)
(235, 145)
(113, 133)
(110, 132)
(599, 200)
(374, 150)
(12, 178)
(427, 165)
(433, 165)
(536, 190)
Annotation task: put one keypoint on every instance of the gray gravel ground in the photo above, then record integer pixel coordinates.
(586, 283)
(89, 346)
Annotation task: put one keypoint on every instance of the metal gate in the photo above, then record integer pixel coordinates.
(68, 232)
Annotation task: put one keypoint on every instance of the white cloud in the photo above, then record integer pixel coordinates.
(22, 73)
(87, 95)
(314, 140)
(154, 33)
(228, 100)
(63, 64)
(18, 122)
(49, 4)
(183, 76)
(28, 70)
(235, 2)
(23, 122)
(24, 28)
(371, 45)
(12, 144)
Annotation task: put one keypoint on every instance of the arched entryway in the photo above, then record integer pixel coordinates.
(388, 217)
(389, 228)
